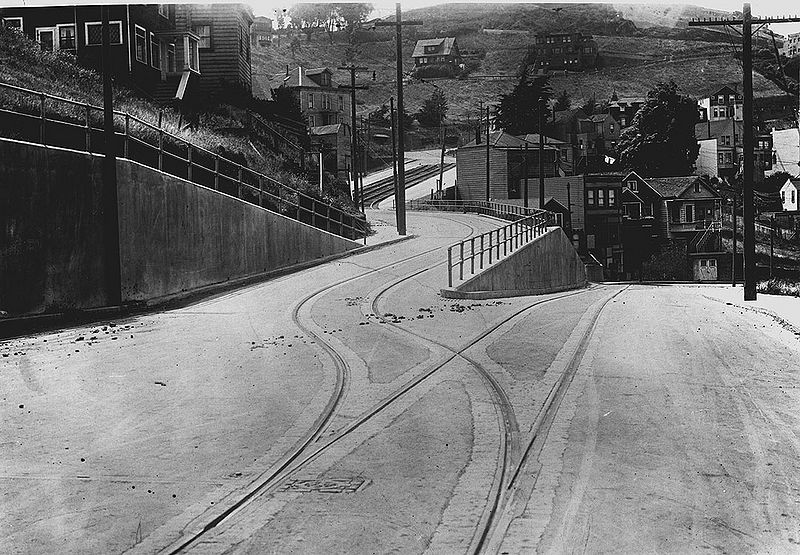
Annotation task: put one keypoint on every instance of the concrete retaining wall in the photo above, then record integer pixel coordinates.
(546, 265)
(175, 236)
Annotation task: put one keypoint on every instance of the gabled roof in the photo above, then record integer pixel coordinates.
(791, 181)
(501, 139)
(301, 77)
(599, 118)
(444, 46)
(534, 138)
(673, 187)
(332, 129)
(713, 90)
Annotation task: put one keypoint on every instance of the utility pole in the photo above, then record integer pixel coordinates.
(400, 196)
(353, 138)
(394, 152)
(541, 154)
(441, 159)
(733, 224)
(748, 206)
(111, 262)
(771, 243)
(488, 194)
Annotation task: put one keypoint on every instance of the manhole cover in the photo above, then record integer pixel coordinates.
(325, 485)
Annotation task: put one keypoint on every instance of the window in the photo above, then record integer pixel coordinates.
(141, 44)
(326, 102)
(712, 262)
(155, 52)
(703, 262)
(310, 101)
(612, 197)
(66, 37)
(341, 103)
(590, 197)
(429, 49)
(720, 158)
(171, 60)
(94, 32)
(792, 201)
(13, 23)
(312, 121)
(204, 32)
(632, 210)
(697, 187)
(726, 140)
(45, 36)
(689, 213)
(325, 79)
(633, 185)
(163, 10)
(601, 197)
(783, 196)
(721, 99)
(622, 122)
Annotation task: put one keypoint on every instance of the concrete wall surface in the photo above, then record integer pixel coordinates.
(176, 236)
(51, 230)
(547, 264)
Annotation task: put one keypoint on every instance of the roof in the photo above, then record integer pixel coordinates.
(534, 138)
(564, 115)
(712, 90)
(332, 129)
(299, 77)
(628, 100)
(444, 46)
(501, 139)
(670, 187)
(598, 118)
(792, 181)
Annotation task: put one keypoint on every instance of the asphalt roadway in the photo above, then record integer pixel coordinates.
(348, 408)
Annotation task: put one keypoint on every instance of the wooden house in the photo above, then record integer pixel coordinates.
(146, 47)
(436, 51)
(789, 195)
(565, 51)
(508, 162)
(322, 100)
(603, 221)
(334, 143)
(224, 45)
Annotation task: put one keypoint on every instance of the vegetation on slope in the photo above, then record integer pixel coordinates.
(221, 130)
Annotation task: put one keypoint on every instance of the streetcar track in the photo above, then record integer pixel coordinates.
(274, 476)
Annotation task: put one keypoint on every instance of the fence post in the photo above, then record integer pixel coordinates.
(450, 266)
(127, 134)
(88, 129)
(189, 156)
(42, 116)
(328, 220)
(239, 187)
(160, 150)
(216, 173)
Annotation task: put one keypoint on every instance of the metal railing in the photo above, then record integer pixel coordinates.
(494, 244)
(79, 126)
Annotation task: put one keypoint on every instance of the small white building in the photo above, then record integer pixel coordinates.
(789, 194)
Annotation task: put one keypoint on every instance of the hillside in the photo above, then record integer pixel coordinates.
(631, 62)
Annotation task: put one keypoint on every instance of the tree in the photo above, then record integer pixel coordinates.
(589, 106)
(563, 101)
(352, 15)
(518, 112)
(433, 110)
(661, 140)
(286, 105)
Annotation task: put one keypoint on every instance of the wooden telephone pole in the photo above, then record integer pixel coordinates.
(400, 197)
(748, 204)
(353, 149)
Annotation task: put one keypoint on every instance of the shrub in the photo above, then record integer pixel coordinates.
(775, 286)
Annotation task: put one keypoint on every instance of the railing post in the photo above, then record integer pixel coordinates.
(239, 187)
(216, 174)
(260, 192)
(461, 261)
(450, 266)
(472, 255)
(491, 248)
(189, 159)
(328, 219)
(481, 255)
(497, 243)
(42, 116)
(127, 134)
(160, 150)
(505, 240)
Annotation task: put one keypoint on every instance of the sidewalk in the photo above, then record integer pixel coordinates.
(783, 308)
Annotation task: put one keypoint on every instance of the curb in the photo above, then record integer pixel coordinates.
(24, 325)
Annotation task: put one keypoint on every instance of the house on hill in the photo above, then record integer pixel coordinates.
(565, 51)
(720, 103)
(722, 148)
(623, 109)
(261, 32)
(436, 51)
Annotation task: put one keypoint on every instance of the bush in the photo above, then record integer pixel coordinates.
(777, 286)
(436, 70)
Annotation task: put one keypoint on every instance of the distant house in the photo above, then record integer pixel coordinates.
(508, 161)
(334, 143)
(147, 48)
(261, 32)
(224, 45)
(321, 99)
(720, 103)
(436, 51)
(604, 221)
(623, 109)
(791, 46)
(592, 137)
(566, 153)
(721, 149)
(565, 51)
(789, 197)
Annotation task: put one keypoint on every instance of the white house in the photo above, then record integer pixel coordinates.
(789, 194)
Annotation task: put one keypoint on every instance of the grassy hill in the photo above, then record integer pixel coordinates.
(632, 62)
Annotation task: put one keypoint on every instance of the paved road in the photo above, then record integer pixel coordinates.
(350, 409)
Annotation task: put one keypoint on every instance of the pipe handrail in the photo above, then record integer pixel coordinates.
(320, 213)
